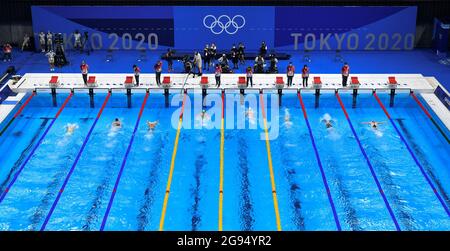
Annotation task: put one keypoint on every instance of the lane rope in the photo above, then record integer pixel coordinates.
(269, 159)
(172, 166)
(66, 180)
(124, 161)
(422, 170)
(372, 170)
(319, 162)
(16, 175)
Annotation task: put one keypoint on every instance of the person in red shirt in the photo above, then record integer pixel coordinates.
(249, 73)
(137, 71)
(158, 70)
(84, 71)
(305, 75)
(7, 49)
(218, 72)
(345, 71)
(290, 73)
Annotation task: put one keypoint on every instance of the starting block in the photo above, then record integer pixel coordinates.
(354, 83)
(204, 82)
(129, 81)
(279, 82)
(91, 82)
(54, 82)
(317, 83)
(166, 83)
(392, 82)
(242, 84)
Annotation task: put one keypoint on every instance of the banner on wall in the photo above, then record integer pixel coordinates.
(192, 27)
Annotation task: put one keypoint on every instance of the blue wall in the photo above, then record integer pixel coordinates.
(191, 27)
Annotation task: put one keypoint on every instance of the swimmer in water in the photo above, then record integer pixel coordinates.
(373, 124)
(327, 120)
(287, 118)
(249, 113)
(117, 123)
(152, 125)
(70, 128)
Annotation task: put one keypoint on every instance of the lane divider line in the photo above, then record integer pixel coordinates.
(269, 159)
(172, 166)
(430, 117)
(422, 170)
(18, 112)
(319, 162)
(124, 161)
(77, 158)
(372, 170)
(222, 157)
(16, 175)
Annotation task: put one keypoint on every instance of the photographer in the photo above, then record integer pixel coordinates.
(42, 41)
(77, 38)
(169, 58)
(273, 68)
(207, 57)
(86, 44)
(49, 41)
(187, 64)
(234, 57)
(213, 52)
(223, 61)
(263, 49)
(241, 54)
(259, 64)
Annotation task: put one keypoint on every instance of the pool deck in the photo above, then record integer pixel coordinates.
(330, 82)
(32, 81)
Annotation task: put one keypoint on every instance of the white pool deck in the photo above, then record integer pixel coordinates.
(330, 82)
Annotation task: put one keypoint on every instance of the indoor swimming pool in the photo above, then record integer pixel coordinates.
(293, 162)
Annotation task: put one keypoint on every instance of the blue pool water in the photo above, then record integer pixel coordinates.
(37, 150)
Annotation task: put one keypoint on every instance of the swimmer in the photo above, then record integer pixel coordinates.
(373, 124)
(117, 123)
(249, 113)
(327, 120)
(70, 128)
(152, 125)
(287, 118)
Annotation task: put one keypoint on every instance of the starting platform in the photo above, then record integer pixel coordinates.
(31, 81)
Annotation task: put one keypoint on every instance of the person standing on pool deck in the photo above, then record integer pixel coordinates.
(137, 71)
(84, 71)
(290, 73)
(345, 72)
(305, 75)
(169, 58)
(198, 62)
(249, 72)
(218, 72)
(207, 57)
(158, 70)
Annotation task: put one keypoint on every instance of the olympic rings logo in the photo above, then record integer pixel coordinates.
(224, 23)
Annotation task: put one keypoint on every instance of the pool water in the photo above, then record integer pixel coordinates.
(134, 178)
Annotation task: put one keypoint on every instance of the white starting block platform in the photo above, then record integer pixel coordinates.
(31, 81)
